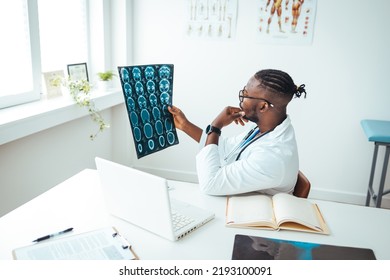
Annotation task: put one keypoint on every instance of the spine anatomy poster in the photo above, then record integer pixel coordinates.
(212, 19)
(147, 91)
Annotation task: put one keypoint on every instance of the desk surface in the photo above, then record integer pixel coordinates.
(78, 203)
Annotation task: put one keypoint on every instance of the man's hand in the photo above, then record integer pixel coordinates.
(178, 117)
(182, 123)
(229, 115)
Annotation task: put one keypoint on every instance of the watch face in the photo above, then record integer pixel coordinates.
(211, 129)
(208, 129)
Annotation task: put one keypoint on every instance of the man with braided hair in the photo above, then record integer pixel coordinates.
(265, 159)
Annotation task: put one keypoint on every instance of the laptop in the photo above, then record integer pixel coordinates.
(143, 200)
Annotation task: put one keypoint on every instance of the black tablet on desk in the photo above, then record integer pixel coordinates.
(260, 248)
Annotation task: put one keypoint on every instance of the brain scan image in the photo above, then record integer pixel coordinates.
(134, 119)
(150, 87)
(127, 89)
(159, 127)
(153, 100)
(168, 125)
(136, 74)
(145, 116)
(171, 138)
(156, 114)
(148, 91)
(151, 144)
(142, 102)
(139, 88)
(148, 130)
(165, 110)
(164, 85)
(164, 72)
(164, 97)
(161, 141)
(125, 75)
(149, 72)
(137, 134)
(131, 103)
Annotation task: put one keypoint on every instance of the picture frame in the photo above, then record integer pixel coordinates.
(52, 83)
(78, 71)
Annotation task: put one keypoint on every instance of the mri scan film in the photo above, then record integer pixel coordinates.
(147, 90)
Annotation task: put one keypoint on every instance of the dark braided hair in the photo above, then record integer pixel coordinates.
(279, 82)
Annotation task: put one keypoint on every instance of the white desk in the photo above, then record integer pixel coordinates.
(78, 203)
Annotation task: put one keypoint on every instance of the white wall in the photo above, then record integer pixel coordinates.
(34, 164)
(345, 71)
(122, 54)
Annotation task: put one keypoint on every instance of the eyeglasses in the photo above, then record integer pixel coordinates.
(241, 97)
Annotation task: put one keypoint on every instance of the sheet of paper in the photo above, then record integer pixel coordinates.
(249, 209)
(288, 207)
(104, 244)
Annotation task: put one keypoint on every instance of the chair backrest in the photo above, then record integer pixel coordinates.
(302, 187)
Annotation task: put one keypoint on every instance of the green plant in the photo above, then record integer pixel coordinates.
(80, 93)
(106, 76)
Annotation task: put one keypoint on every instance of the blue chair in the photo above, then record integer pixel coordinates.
(378, 132)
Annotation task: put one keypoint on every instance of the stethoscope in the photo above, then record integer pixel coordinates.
(246, 141)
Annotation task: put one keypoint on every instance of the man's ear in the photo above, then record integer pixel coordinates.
(263, 106)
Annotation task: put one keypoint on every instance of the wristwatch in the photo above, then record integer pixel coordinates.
(210, 129)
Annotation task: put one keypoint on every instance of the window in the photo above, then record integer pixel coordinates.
(16, 70)
(63, 33)
(39, 36)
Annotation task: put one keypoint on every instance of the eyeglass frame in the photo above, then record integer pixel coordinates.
(241, 97)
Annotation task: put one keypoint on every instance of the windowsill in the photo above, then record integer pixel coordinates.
(23, 120)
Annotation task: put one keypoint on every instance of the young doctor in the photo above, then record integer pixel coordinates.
(263, 159)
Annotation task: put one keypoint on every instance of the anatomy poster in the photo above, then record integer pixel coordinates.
(148, 92)
(286, 21)
(212, 19)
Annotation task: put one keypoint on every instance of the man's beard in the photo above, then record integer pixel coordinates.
(252, 119)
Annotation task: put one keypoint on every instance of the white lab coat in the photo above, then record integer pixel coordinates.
(268, 165)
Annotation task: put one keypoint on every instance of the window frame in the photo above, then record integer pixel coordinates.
(102, 52)
(34, 94)
(115, 48)
(10, 100)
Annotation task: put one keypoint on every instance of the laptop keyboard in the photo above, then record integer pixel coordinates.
(179, 221)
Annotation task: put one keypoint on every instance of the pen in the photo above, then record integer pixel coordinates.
(52, 235)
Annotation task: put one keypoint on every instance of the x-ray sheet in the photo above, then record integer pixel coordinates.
(148, 93)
